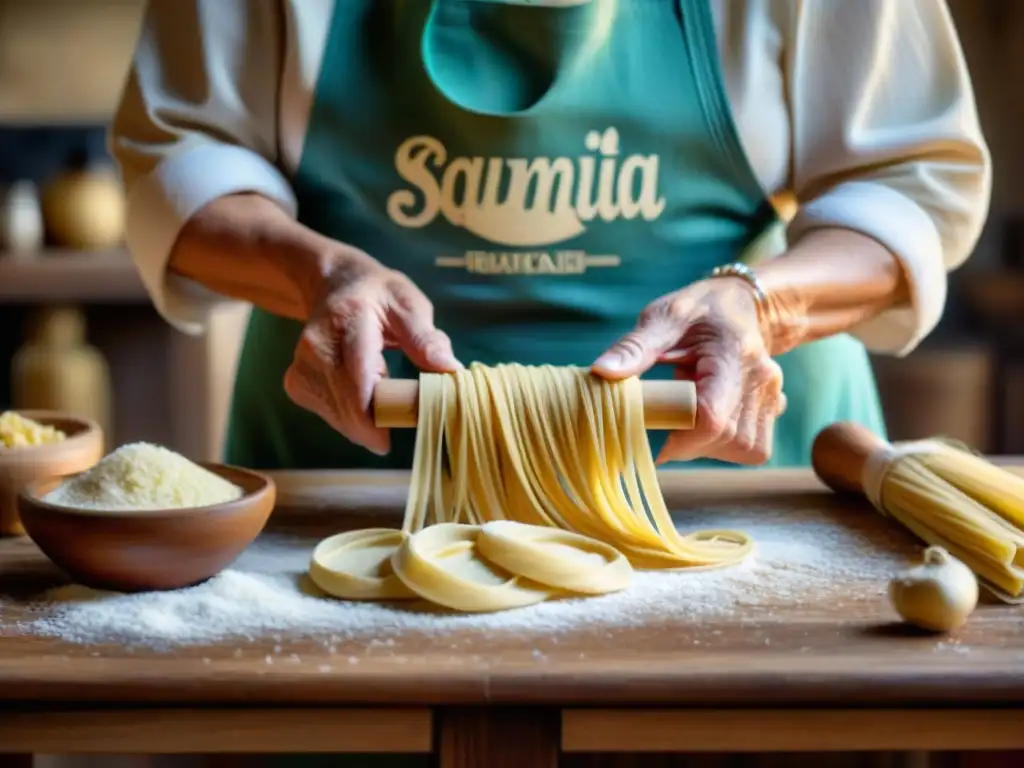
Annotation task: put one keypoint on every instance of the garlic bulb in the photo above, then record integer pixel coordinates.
(938, 595)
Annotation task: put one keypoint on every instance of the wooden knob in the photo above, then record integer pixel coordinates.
(670, 405)
(840, 452)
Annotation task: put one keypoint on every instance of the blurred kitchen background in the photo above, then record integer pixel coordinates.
(77, 330)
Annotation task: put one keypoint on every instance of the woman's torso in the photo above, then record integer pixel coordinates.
(542, 174)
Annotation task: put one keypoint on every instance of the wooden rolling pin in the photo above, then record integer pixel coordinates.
(668, 405)
(841, 451)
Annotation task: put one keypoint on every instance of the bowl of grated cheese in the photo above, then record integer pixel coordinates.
(145, 518)
(37, 445)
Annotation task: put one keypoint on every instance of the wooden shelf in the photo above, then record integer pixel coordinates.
(58, 275)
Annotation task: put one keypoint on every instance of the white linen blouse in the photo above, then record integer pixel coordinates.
(861, 108)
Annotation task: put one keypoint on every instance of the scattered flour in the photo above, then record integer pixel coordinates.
(814, 561)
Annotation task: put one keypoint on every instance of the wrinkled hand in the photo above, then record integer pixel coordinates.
(365, 308)
(714, 335)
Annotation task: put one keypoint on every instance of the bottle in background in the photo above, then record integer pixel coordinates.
(56, 369)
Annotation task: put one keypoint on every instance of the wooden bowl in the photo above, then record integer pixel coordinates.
(21, 466)
(144, 550)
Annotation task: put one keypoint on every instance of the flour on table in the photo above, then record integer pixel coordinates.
(806, 561)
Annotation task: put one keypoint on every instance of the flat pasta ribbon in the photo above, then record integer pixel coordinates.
(528, 483)
(551, 446)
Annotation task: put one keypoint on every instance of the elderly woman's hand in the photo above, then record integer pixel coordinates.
(715, 335)
(364, 308)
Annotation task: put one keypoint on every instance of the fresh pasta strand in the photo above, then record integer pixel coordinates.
(550, 446)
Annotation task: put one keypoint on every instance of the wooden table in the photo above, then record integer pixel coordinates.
(810, 677)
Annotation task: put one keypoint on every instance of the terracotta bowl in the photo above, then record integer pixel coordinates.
(144, 550)
(21, 466)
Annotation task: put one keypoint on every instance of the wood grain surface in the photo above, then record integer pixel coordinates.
(88, 730)
(795, 655)
(745, 731)
(54, 275)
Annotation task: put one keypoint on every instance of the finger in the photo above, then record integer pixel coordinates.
(411, 322)
(747, 446)
(361, 367)
(685, 372)
(638, 350)
(719, 399)
(762, 403)
(743, 448)
(309, 388)
(720, 445)
(766, 436)
(311, 382)
(679, 356)
(755, 435)
(768, 373)
(720, 393)
(676, 448)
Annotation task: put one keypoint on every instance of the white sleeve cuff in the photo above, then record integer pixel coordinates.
(160, 203)
(903, 227)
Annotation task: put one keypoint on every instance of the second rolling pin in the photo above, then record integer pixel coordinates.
(669, 405)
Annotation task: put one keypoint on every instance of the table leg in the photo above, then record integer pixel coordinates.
(498, 737)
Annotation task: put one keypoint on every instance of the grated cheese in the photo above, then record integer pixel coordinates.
(18, 432)
(144, 476)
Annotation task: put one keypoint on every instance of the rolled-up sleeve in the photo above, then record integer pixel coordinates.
(197, 121)
(886, 141)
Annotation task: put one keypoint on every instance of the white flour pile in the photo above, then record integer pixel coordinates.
(141, 476)
(796, 563)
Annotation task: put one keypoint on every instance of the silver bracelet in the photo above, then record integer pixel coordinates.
(743, 272)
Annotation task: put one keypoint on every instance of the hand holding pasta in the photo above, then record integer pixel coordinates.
(714, 335)
(365, 308)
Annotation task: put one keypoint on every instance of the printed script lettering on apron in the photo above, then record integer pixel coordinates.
(525, 203)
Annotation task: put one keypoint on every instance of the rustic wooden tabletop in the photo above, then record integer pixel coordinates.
(806, 627)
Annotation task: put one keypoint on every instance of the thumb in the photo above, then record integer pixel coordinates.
(639, 349)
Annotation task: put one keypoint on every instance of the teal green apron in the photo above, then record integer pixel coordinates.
(541, 174)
